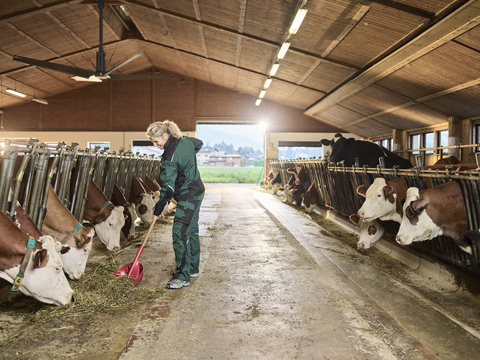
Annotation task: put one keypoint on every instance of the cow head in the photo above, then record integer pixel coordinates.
(416, 225)
(380, 201)
(109, 230)
(44, 278)
(370, 232)
(310, 198)
(75, 258)
(340, 147)
(145, 209)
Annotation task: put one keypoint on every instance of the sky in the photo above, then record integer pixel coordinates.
(237, 135)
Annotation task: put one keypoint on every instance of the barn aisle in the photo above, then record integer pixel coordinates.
(275, 285)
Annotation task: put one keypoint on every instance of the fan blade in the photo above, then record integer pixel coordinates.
(71, 70)
(125, 62)
(92, 78)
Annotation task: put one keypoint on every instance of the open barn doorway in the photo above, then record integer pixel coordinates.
(232, 153)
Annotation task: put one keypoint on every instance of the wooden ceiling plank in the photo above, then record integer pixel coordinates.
(230, 31)
(29, 38)
(459, 22)
(77, 38)
(48, 7)
(355, 20)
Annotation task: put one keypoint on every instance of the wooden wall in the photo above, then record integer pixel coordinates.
(132, 105)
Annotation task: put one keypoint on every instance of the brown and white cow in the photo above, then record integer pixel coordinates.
(107, 218)
(44, 278)
(383, 201)
(434, 212)
(60, 223)
(144, 203)
(129, 213)
(310, 198)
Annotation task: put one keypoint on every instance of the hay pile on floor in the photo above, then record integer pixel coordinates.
(100, 290)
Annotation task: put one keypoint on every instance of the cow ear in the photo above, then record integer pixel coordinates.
(327, 142)
(388, 190)
(40, 259)
(362, 190)
(338, 135)
(419, 205)
(354, 218)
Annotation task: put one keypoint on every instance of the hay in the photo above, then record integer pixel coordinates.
(100, 290)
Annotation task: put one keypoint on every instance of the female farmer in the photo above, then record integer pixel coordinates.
(180, 180)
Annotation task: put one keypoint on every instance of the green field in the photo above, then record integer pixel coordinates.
(240, 175)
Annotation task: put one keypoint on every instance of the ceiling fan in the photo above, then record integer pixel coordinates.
(79, 74)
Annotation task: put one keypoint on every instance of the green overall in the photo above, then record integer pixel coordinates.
(181, 180)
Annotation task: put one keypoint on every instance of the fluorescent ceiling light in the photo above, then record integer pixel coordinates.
(40, 101)
(274, 69)
(298, 20)
(15, 92)
(258, 102)
(283, 50)
(262, 94)
(267, 83)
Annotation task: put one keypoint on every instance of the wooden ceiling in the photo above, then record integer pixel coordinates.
(364, 66)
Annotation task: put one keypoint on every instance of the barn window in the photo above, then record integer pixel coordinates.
(387, 143)
(103, 145)
(415, 143)
(442, 140)
(428, 142)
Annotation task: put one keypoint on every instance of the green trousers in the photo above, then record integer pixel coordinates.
(186, 242)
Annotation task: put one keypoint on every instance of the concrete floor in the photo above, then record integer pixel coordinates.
(276, 285)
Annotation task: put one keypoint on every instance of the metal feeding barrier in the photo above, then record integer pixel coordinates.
(336, 186)
(28, 169)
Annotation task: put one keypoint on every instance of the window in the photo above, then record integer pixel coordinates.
(387, 143)
(103, 145)
(415, 143)
(442, 139)
(428, 142)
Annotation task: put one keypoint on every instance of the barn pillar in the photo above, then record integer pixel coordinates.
(454, 136)
(270, 149)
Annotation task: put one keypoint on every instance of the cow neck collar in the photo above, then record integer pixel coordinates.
(76, 229)
(15, 287)
(105, 206)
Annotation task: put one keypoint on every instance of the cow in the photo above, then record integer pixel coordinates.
(310, 198)
(276, 183)
(144, 203)
(118, 199)
(289, 187)
(370, 231)
(43, 278)
(60, 224)
(107, 218)
(267, 182)
(366, 152)
(433, 212)
(383, 202)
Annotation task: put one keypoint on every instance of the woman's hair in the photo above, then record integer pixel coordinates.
(158, 128)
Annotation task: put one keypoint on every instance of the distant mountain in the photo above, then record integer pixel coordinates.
(237, 135)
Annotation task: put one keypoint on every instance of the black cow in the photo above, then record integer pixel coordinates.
(367, 153)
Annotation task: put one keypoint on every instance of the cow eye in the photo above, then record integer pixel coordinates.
(58, 269)
(110, 224)
(379, 195)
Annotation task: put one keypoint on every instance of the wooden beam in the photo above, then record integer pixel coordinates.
(77, 38)
(449, 28)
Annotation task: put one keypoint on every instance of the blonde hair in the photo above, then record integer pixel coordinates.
(158, 128)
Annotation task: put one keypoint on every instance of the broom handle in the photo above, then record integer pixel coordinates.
(149, 231)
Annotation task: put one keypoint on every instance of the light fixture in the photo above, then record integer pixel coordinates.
(15, 92)
(283, 50)
(258, 102)
(274, 69)
(298, 20)
(262, 94)
(40, 101)
(267, 83)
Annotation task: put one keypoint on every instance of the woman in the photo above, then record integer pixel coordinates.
(180, 180)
